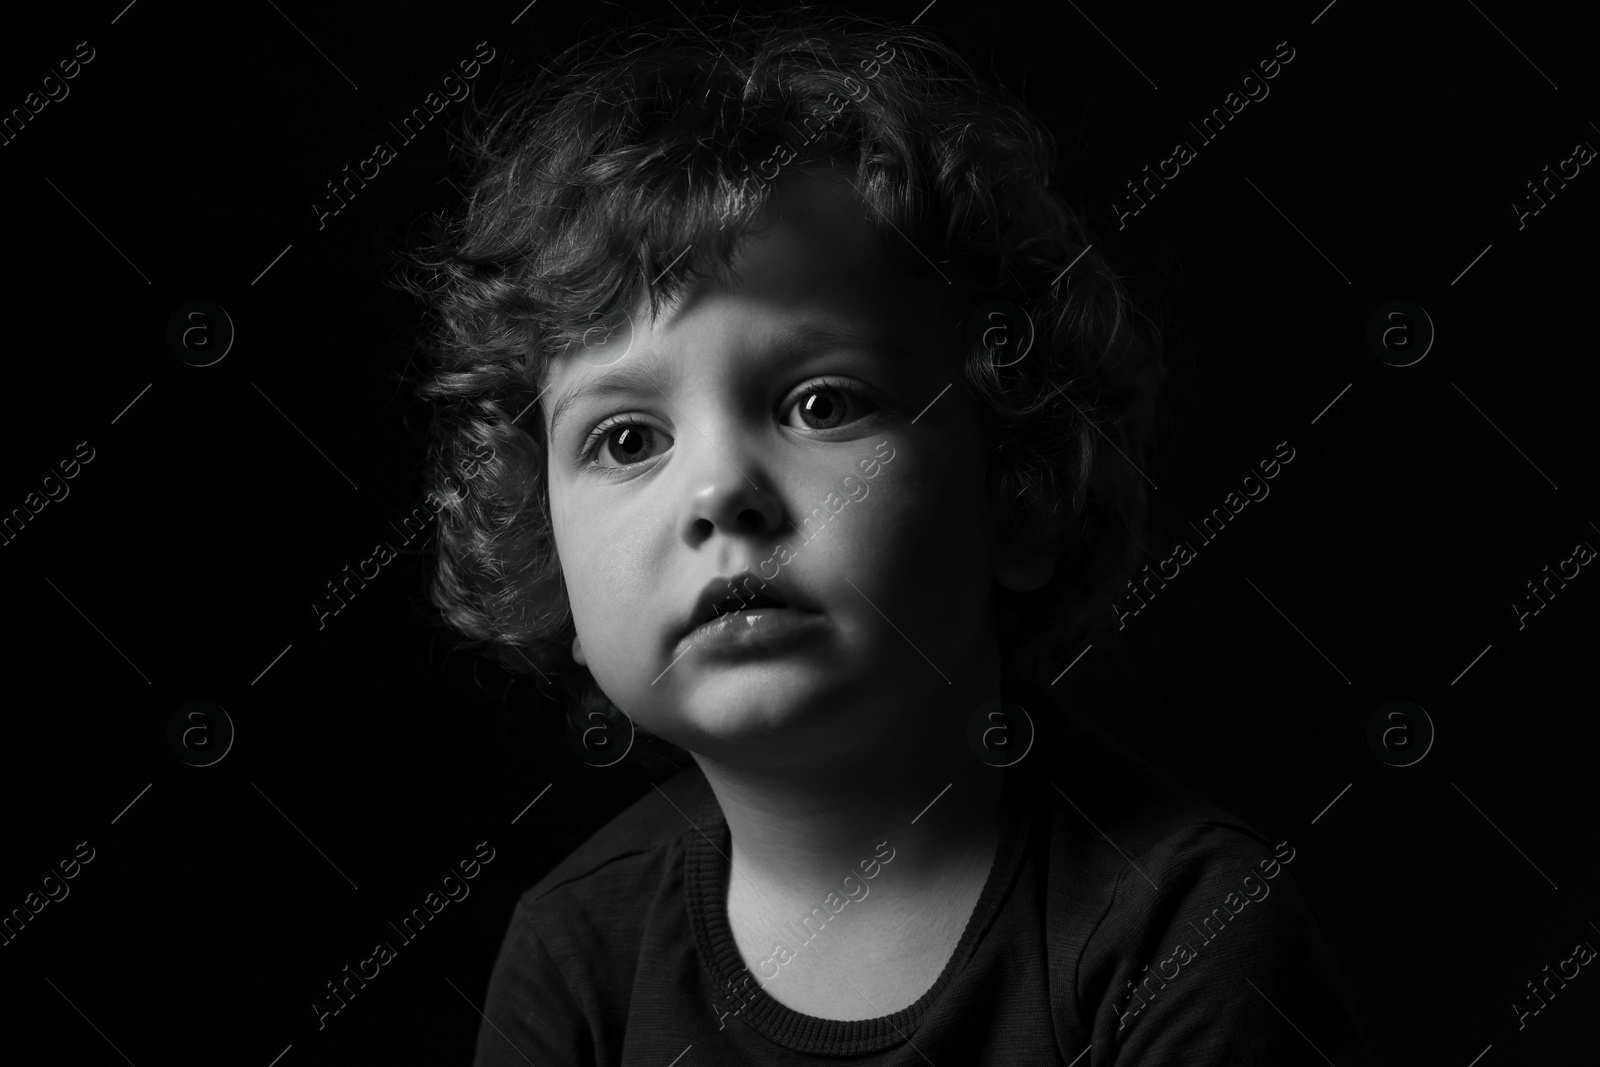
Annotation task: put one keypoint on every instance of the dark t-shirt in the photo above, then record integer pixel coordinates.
(1122, 917)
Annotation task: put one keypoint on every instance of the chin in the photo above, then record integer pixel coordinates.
(759, 707)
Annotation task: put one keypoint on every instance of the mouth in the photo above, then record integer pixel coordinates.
(717, 603)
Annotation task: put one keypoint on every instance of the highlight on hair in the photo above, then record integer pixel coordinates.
(587, 183)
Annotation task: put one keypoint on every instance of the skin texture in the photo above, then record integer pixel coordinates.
(817, 749)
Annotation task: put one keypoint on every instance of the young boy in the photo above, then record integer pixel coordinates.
(798, 417)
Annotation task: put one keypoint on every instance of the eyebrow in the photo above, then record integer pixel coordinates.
(786, 347)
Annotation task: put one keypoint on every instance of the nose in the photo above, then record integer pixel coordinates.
(730, 494)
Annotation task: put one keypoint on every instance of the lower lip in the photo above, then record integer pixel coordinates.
(755, 629)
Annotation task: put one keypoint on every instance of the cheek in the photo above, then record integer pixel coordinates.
(611, 567)
(925, 528)
(570, 539)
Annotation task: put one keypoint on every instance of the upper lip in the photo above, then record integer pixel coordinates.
(716, 593)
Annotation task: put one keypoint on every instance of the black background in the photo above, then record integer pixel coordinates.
(183, 562)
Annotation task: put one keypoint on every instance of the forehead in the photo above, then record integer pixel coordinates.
(816, 269)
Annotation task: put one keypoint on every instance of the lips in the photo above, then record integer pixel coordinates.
(718, 598)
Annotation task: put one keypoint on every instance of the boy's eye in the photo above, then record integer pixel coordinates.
(827, 405)
(624, 442)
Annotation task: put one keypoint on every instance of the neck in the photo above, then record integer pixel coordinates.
(802, 824)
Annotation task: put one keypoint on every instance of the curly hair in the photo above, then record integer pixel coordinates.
(587, 182)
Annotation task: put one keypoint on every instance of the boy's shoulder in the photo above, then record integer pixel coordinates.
(1132, 802)
(631, 846)
(1105, 794)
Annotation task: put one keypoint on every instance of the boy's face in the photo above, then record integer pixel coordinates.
(731, 451)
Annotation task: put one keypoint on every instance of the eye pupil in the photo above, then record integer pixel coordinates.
(828, 408)
(630, 440)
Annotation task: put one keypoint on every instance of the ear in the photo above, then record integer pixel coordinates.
(577, 651)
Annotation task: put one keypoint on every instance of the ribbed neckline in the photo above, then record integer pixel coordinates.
(705, 881)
